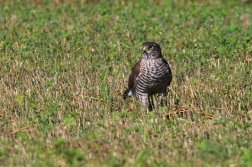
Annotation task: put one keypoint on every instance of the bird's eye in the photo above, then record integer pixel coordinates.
(151, 47)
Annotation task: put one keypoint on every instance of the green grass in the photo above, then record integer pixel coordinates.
(65, 64)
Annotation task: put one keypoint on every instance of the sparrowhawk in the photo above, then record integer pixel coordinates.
(151, 75)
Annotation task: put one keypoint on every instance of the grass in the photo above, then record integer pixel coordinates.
(65, 64)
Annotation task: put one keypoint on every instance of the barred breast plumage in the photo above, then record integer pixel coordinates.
(150, 75)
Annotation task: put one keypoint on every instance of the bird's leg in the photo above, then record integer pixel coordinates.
(161, 99)
(151, 103)
(144, 100)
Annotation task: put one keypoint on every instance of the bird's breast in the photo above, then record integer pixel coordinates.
(153, 75)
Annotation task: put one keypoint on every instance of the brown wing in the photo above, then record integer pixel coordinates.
(132, 77)
(168, 67)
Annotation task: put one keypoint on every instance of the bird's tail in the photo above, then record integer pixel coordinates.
(126, 93)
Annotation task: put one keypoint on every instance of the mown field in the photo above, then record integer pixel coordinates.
(65, 64)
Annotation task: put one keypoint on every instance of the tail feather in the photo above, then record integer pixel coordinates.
(126, 93)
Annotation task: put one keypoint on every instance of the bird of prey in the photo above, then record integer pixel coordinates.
(151, 75)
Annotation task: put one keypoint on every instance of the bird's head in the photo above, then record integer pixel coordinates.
(151, 50)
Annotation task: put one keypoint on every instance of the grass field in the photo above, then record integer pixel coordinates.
(64, 66)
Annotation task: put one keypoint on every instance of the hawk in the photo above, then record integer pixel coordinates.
(151, 75)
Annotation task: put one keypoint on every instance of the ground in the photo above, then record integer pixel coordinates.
(64, 66)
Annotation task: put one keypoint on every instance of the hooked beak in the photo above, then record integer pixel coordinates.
(144, 50)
